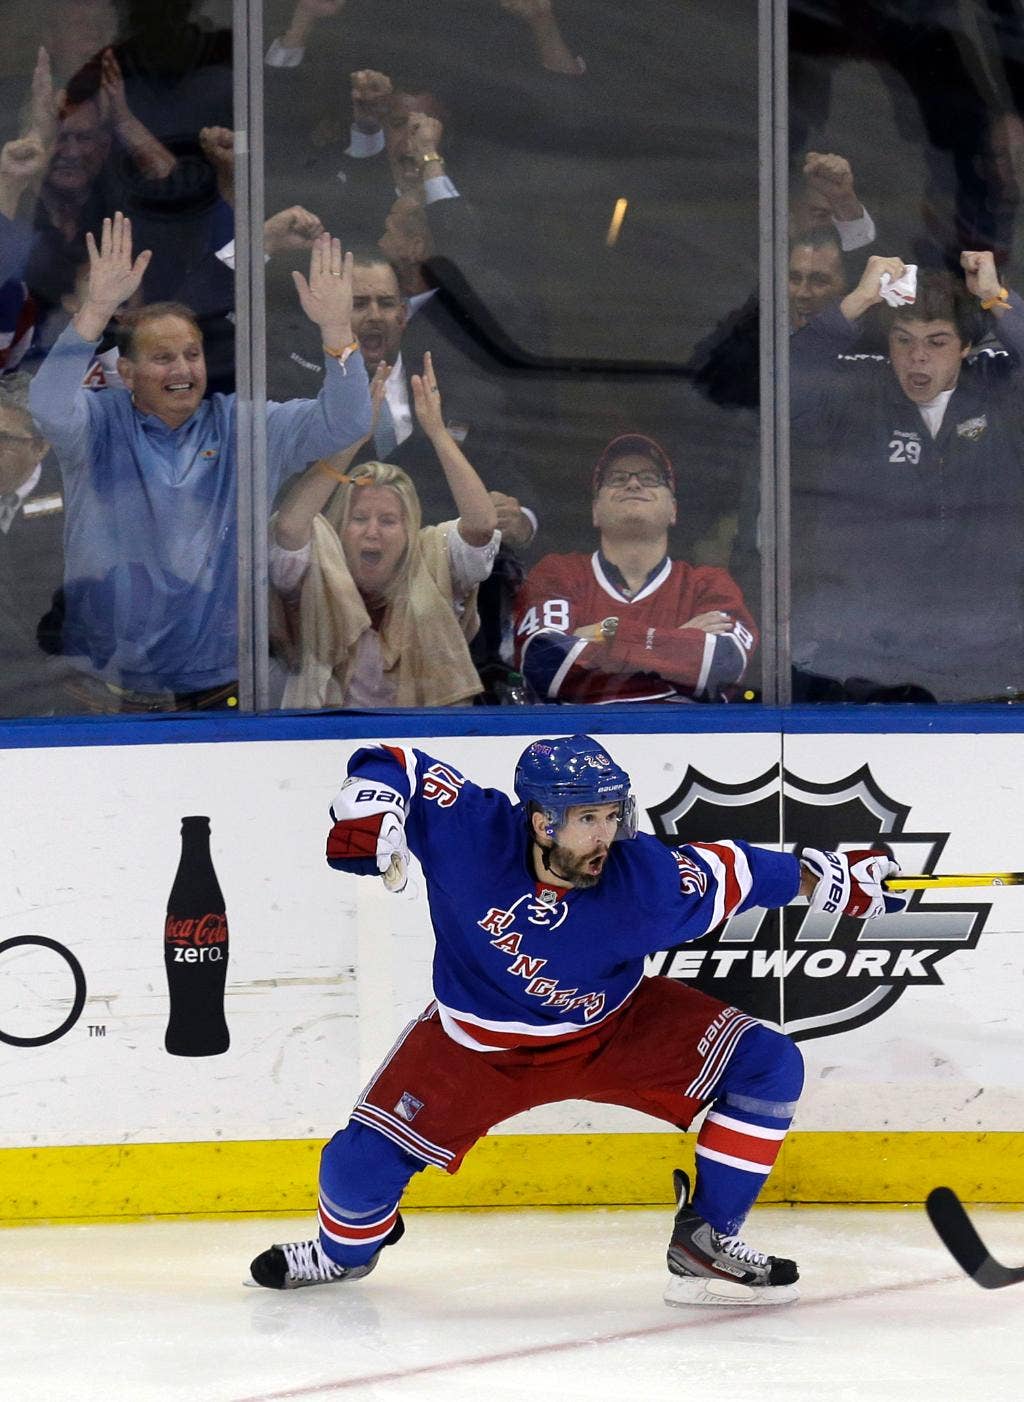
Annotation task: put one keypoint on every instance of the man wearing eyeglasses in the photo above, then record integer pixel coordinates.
(629, 623)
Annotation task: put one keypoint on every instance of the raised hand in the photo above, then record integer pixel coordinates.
(289, 229)
(113, 102)
(114, 276)
(371, 97)
(23, 159)
(832, 176)
(369, 823)
(552, 49)
(516, 528)
(868, 291)
(980, 275)
(426, 398)
(378, 385)
(218, 146)
(22, 162)
(423, 134)
(305, 17)
(44, 102)
(326, 297)
(342, 460)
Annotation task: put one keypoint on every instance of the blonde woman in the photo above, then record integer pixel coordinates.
(380, 607)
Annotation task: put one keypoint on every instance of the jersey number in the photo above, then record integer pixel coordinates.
(441, 785)
(553, 613)
(900, 451)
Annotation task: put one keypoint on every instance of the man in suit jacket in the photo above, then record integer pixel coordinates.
(31, 555)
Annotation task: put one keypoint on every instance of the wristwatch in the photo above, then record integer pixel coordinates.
(429, 156)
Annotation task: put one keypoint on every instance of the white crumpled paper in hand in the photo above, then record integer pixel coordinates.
(901, 291)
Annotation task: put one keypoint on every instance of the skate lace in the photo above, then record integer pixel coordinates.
(738, 1250)
(307, 1262)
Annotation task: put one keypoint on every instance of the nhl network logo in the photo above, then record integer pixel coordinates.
(822, 974)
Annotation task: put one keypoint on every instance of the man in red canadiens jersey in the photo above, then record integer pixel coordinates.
(543, 911)
(628, 623)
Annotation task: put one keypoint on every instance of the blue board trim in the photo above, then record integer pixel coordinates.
(220, 727)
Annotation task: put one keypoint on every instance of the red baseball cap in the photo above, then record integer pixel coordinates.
(634, 445)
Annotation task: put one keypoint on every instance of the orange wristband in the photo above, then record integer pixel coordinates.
(344, 353)
(1001, 300)
(345, 478)
(338, 477)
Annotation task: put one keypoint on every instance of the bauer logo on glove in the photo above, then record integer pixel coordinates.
(368, 836)
(850, 883)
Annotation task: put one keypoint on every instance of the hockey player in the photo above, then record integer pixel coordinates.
(543, 911)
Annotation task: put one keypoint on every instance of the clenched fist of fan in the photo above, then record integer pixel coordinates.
(369, 824)
(850, 883)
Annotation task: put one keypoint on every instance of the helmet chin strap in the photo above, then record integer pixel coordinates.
(545, 853)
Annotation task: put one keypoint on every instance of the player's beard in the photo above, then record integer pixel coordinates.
(568, 866)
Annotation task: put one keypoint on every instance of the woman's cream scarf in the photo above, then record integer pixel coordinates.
(423, 644)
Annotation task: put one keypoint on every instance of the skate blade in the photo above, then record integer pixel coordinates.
(708, 1290)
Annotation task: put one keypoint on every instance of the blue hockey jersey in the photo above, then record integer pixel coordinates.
(518, 962)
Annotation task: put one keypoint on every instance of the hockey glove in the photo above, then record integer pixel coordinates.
(851, 882)
(369, 826)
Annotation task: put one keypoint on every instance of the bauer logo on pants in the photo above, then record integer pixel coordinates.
(838, 973)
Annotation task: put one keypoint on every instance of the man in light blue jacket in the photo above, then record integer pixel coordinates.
(150, 589)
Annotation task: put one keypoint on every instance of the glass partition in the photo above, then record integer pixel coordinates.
(907, 146)
(117, 455)
(557, 201)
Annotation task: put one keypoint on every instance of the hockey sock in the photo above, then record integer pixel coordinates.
(362, 1179)
(742, 1133)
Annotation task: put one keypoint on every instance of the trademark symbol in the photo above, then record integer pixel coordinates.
(97, 1029)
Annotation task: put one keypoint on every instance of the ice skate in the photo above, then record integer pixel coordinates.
(293, 1264)
(707, 1268)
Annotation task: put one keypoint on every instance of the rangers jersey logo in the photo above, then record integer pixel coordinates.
(408, 1106)
(839, 973)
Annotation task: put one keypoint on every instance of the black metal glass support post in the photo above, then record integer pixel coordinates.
(773, 219)
(250, 362)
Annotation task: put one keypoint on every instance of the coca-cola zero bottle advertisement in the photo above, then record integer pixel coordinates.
(196, 949)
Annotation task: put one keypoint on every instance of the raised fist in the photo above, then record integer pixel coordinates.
(23, 159)
(980, 274)
(868, 291)
(828, 173)
(831, 177)
(371, 97)
(369, 823)
(218, 146)
(289, 229)
(423, 134)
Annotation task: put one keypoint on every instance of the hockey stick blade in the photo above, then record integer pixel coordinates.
(956, 1232)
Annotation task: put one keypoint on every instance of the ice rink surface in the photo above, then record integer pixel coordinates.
(505, 1306)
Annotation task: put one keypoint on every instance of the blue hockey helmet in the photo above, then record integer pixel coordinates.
(560, 774)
